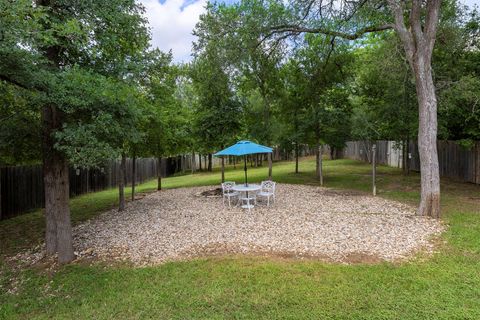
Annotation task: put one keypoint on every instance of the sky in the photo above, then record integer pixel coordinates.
(172, 23)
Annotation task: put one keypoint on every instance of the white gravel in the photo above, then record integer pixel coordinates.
(306, 221)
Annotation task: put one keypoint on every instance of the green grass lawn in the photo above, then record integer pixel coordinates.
(444, 286)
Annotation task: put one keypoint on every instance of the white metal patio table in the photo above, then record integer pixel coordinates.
(246, 189)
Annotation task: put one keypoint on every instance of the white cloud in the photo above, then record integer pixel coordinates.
(172, 23)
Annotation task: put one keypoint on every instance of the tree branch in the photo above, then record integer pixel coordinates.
(431, 22)
(402, 31)
(14, 82)
(415, 21)
(296, 29)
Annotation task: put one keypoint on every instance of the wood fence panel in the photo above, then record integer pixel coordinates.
(454, 161)
(21, 187)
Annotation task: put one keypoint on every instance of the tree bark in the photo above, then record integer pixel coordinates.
(319, 162)
(223, 169)
(210, 162)
(58, 235)
(192, 162)
(1, 212)
(269, 166)
(296, 157)
(159, 173)
(183, 163)
(199, 162)
(427, 139)
(134, 174)
(121, 183)
(58, 238)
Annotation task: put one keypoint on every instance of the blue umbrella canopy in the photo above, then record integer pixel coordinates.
(242, 148)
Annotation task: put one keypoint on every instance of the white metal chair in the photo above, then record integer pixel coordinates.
(228, 192)
(267, 191)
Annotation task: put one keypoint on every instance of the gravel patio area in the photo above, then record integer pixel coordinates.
(306, 221)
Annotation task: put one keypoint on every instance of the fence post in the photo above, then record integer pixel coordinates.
(374, 169)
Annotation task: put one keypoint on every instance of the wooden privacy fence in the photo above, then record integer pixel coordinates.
(454, 161)
(21, 187)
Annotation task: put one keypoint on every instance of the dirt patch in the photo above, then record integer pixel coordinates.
(213, 193)
(359, 257)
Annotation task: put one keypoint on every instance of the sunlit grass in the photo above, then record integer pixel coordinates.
(444, 286)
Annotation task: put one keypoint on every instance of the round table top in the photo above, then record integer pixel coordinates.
(250, 187)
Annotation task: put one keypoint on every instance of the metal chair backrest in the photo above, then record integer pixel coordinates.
(268, 186)
(227, 187)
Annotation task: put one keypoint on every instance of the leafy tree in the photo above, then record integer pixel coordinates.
(352, 20)
(218, 110)
(51, 46)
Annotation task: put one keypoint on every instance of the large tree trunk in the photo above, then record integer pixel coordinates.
(159, 173)
(121, 183)
(418, 41)
(58, 235)
(427, 138)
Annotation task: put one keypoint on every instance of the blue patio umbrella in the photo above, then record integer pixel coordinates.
(243, 148)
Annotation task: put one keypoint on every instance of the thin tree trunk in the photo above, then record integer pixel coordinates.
(296, 157)
(408, 155)
(404, 157)
(209, 162)
(134, 173)
(1, 212)
(192, 162)
(223, 169)
(159, 173)
(121, 184)
(269, 166)
(199, 162)
(183, 163)
(320, 165)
